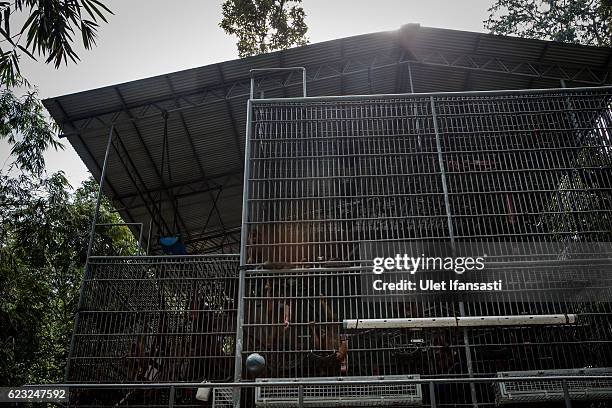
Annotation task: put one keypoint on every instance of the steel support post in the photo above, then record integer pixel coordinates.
(301, 396)
(243, 256)
(432, 395)
(566, 396)
(92, 234)
(449, 218)
(466, 340)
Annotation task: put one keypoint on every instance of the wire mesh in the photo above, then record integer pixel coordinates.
(370, 395)
(156, 319)
(327, 176)
(550, 390)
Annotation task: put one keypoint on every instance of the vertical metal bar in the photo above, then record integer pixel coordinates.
(149, 235)
(304, 82)
(468, 357)
(466, 342)
(100, 192)
(243, 257)
(140, 238)
(252, 94)
(566, 396)
(410, 77)
(301, 396)
(94, 221)
(442, 170)
(432, 395)
(171, 400)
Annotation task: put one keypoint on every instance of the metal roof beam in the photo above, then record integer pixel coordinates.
(192, 145)
(186, 129)
(93, 159)
(124, 162)
(467, 83)
(213, 235)
(149, 156)
(186, 187)
(133, 205)
(434, 58)
(230, 112)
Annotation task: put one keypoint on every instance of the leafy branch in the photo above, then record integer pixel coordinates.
(572, 21)
(50, 29)
(264, 25)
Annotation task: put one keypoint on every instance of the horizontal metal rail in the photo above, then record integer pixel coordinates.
(374, 97)
(250, 384)
(429, 383)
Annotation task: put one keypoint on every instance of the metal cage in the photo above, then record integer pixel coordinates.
(155, 319)
(328, 182)
(326, 176)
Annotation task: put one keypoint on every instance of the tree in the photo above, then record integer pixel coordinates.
(44, 231)
(573, 21)
(24, 125)
(48, 31)
(44, 227)
(264, 25)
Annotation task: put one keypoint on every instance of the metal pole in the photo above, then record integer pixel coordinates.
(140, 238)
(468, 357)
(432, 395)
(449, 218)
(243, 257)
(451, 233)
(100, 192)
(304, 82)
(566, 396)
(410, 77)
(149, 236)
(329, 382)
(508, 92)
(301, 396)
(89, 248)
(171, 398)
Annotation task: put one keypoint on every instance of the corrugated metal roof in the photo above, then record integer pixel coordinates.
(206, 141)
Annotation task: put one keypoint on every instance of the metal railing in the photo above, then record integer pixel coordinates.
(174, 398)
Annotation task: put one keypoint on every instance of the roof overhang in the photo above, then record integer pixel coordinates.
(205, 109)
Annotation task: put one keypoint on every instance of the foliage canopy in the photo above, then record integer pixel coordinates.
(264, 25)
(49, 31)
(586, 22)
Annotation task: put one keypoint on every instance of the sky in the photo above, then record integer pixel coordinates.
(152, 37)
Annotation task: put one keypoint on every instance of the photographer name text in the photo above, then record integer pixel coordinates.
(430, 285)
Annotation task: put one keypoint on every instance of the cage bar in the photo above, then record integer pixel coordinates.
(333, 180)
